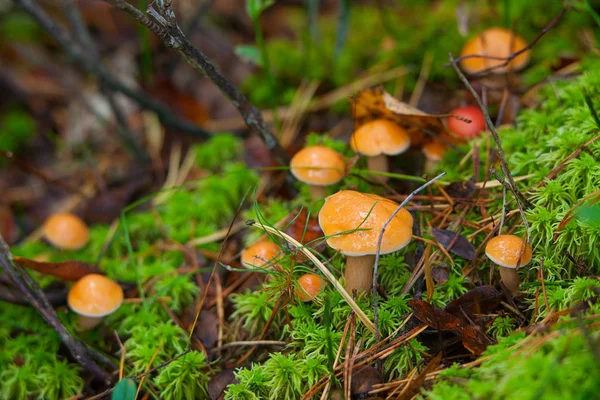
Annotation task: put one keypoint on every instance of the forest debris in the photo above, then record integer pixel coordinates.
(463, 189)
(306, 232)
(455, 243)
(480, 300)
(414, 386)
(219, 382)
(376, 103)
(71, 270)
(364, 377)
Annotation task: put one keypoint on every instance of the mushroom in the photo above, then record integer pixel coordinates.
(434, 152)
(94, 297)
(259, 254)
(66, 231)
(377, 139)
(352, 223)
(463, 129)
(310, 286)
(509, 252)
(494, 42)
(319, 167)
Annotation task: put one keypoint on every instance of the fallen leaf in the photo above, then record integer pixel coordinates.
(364, 378)
(66, 270)
(440, 275)
(480, 300)
(474, 339)
(376, 103)
(461, 190)
(219, 382)
(435, 317)
(125, 389)
(460, 245)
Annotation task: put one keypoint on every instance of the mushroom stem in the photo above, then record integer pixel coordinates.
(359, 273)
(87, 323)
(318, 192)
(510, 279)
(378, 164)
(429, 165)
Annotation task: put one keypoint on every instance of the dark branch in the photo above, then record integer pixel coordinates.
(171, 35)
(79, 55)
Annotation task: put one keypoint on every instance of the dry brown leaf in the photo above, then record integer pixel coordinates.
(376, 103)
(66, 270)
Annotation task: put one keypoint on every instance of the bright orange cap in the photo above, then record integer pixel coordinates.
(259, 254)
(310, 286)
(318, 165)
(380, 137)
(434, 150)
(494, 42)
(507, 251)
(348, 210)
(66, 231)
(95, 296)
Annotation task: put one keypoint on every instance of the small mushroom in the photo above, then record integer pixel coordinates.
(319, 167)
(259, 254)
(509, 252)
(434, 152)
(66, 231)
(310, 286)
(377, 139)
(352, 223)
(463, 129)
(494, 42)
(94, 297)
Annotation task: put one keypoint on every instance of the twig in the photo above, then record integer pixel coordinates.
(79, 55)
(167, 29)
(521, 201)
(37, 299)
(380, 240)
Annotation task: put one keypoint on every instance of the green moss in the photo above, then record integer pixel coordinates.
(184, 378)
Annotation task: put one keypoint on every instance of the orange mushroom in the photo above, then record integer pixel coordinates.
(377, 139)
(509, 252)
(494, 42)
(259, 254)
(310, 286)
(66, 231)
(319, 167)
(352, 223)
(93, 297)
(434, 152)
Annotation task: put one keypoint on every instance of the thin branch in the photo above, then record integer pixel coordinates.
(172, 36)
(88, 63)
(521, 201)
(380, 240)
(36, 297)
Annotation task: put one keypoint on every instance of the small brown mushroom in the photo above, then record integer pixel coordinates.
(93, 297)
(509, 252)
(352, 223)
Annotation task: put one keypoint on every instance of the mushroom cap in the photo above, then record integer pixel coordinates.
(95, 296)
(380, 136)
(259, 254)
(434, 150)
(318, 166)
(348, 210)
(494, 42)
(464, 129)
(310, 286)
(505, 250)
(66, 231)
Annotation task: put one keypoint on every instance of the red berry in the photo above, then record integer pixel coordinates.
(464, 129)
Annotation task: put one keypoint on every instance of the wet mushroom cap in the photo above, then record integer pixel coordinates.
(434, 150)
(318, 165)
(380, 137)
(66, 231)
(465, 129)
(494, 42)
(259, 254)
(364, 215)
(507, 251)
(95, 296)
(310, 286)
